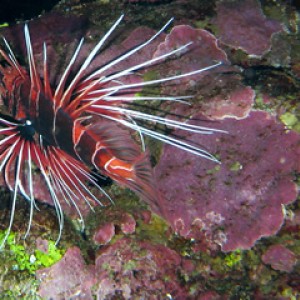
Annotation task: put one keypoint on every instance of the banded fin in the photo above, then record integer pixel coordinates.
(116, 139)
(143, 183)
(116, 155)
(137, 176)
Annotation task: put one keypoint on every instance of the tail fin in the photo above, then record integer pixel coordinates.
(136, 175)
(144, 183)
(116, 155)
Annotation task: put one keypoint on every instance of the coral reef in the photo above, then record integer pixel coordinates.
(117, 221)
(127, 269)
(280, 258)
(203, 52)
(236, 104)
(210, 213)
(134, 270)
(104, 233)
(239, 201)
(243, 26)
(68, 278)
(20, 264)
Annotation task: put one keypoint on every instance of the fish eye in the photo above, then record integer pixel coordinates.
(27, 129)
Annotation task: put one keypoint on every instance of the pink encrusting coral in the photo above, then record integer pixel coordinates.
(117, 220)
(242, 25)
(239, 201)
(223, 93)
(139, 270)
(127, 269)
(104, 233)
(203, 51)
(70, 278)
(280, 258)
(236, 103)
(127, 224)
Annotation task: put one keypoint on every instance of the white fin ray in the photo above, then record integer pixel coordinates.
(34, 76)
(117, 89)
(58, 208)
(181, 144)
(61, 85)
(15, 193)
(98, 72)
(88, 60)
(147, 98)
(161, 120)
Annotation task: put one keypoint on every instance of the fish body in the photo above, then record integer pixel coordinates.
(82, 123)
(96, 145)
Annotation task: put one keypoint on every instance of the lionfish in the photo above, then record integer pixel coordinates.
(52, 129)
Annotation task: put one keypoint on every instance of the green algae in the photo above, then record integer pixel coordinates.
(24, 261)
(45, 260)
(289, 293)
(236, 166)
(19, 265)
(129, 265)
(214, 170)
(291, 121)
(260, 103)
(207, 24)
(155, 230)
(4, 25)
(233, 258)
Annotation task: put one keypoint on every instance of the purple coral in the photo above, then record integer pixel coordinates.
(242, 25)
(280, 258)
(236, 103)
(68, 278)
(128, 224)
(204, 51)
(104, 233)
(238, 202)
(138, 270)
(127, 269)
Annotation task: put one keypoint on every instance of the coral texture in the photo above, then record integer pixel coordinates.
(138, 270)
(126, 270)
(104, 233)
(203, 52)
(69, 278)
(239, 201)
(210, 206)
(236, 104)
(243, 26)
(280, 258)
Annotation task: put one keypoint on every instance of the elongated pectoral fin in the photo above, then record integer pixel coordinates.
(116, 140)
